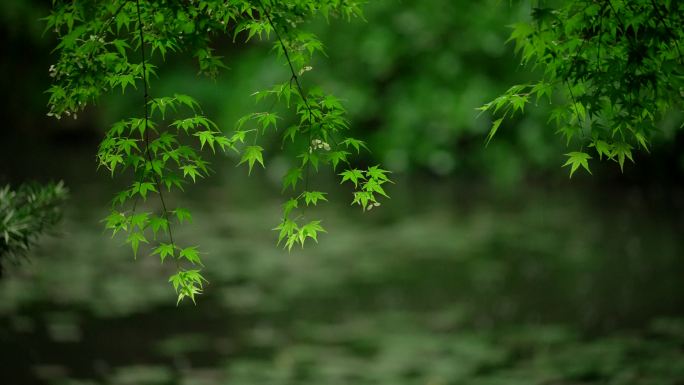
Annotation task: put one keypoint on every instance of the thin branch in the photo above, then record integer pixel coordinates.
(574, 104)
(114, 15)
(297, 83)
(147, 118)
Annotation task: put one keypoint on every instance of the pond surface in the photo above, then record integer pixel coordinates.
(447, 283)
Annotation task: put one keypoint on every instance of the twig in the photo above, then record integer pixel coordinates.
(147, 117)
(297, 83)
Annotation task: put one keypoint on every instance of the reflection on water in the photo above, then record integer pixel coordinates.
(447, 284)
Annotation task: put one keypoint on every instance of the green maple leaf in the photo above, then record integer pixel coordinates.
(158, 223)
(353, 175)
(577, 159)
(287, 228)
(312, 197)
(492, 131)
(134, 239)
(183, 214)
(357, 144)
(310, 230)
(292, 177)
(164, 250)
(191, 254)
(622, 150)
(375, 172)
(338, 156)
(251, 155)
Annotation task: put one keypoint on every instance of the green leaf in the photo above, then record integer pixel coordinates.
(373, 185)
(164, 250)
(312, 197)
(267, 119)
(309, 157)
(139, 220)
(355, 143)
(622, 150)
(492, 131)
(353, 175)
(187, 101)
(577, 159)
(291, 132)
(183, 214)
(205, 137)
(116, 221)
(191, 254)
(191, 170)
(292, 177)
(290, 205)
(143, 188)
(363, 198)
(134, 238)
(642, 140)
(375, 172)
(603, 148)
(310, 230)
(336, 157)
(158, 223)
(251, 155)
(287, 228)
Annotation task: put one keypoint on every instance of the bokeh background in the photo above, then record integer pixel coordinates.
(487, 266)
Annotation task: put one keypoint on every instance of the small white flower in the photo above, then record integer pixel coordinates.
(305, 69)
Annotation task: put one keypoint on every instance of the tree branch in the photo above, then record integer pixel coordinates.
(146, 97)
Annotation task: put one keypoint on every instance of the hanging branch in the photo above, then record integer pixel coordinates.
(146, 97)
(160, 158)
(300, 90)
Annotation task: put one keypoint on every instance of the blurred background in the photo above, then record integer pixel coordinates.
(487, 266)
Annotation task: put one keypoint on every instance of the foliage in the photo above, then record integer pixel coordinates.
(26, 213)
(163, 148)
(614, 70)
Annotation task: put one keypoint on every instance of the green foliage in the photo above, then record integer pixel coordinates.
(26, 213)
(162, 150)
(614, 69)
(576, 159)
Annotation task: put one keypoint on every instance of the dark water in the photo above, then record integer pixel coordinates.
(449, 282)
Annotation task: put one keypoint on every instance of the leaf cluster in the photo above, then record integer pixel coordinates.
(119, 46)
(614, 69)
(25, 214)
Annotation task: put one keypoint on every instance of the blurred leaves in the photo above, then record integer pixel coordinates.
(25, 214)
